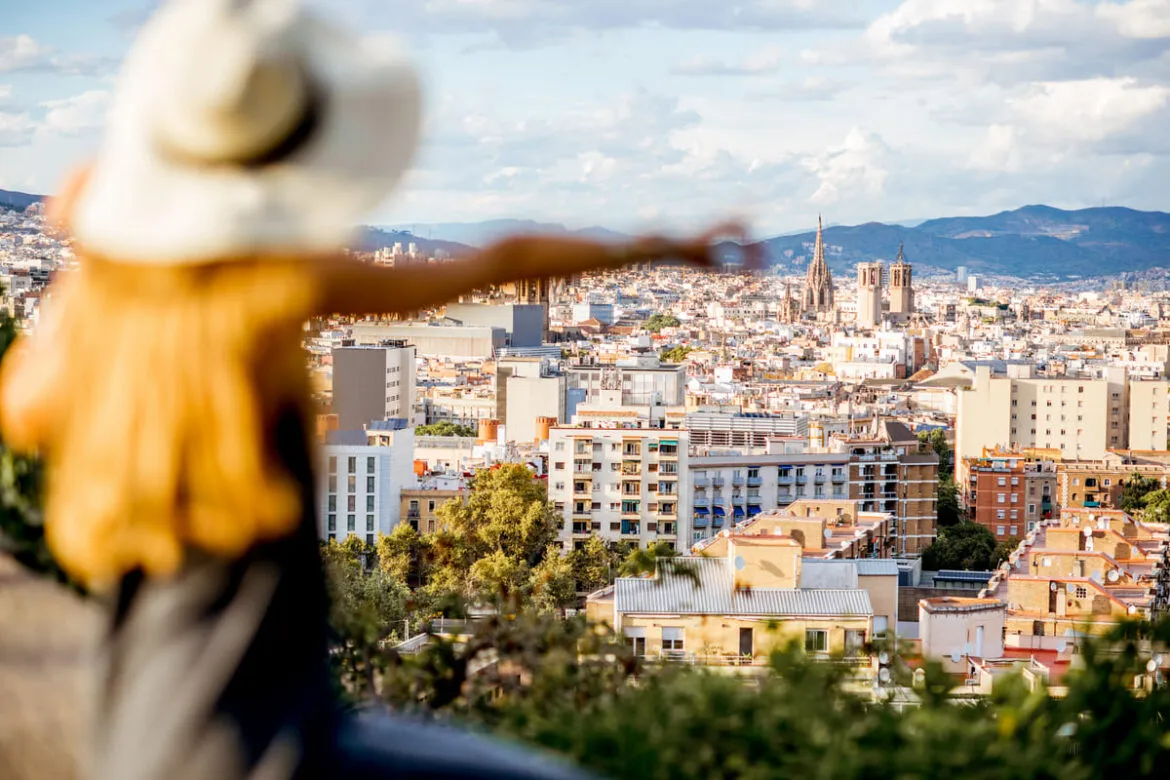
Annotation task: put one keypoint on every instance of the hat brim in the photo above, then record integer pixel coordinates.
(141, 206)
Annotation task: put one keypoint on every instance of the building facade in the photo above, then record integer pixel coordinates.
(869, 295)
(1010, 494)
(624, 484)
(360, 486)
(373, 383)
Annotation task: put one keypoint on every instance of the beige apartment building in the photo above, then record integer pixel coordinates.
(1082, 418)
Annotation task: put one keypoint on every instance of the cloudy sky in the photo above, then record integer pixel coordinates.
(635, 113)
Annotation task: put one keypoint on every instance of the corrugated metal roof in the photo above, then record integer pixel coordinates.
(713, 594)
(872, 567)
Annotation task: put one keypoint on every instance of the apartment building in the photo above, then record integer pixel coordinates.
(1081, 575)
(1009, 494)
(1081, 417)
(1149, 411)
(729, 488)
(643, 380)
(622, 484)
(733, 608)
(360, 486)
(419, 506)
(373, 383)
(1093, 484)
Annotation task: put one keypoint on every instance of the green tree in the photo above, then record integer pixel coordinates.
(22, 532)
(658, 321)
(445, 428)
(936, 440)
(1156, 506)
(400, 553)
(553, 585)
(967, 546)
(1003, 550)
(595, 564)
(507, 519)
(676, 354)
(1135, 490)
(644, 560)
(949, 512)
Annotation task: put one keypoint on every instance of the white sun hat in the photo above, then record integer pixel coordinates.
(245, 127)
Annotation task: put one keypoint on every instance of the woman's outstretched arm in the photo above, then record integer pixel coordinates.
(352, 287)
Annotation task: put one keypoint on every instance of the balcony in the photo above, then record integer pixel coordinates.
(668, 514)
(838, 478)
(785, 479)
(754, 499)
(668, 449)
(630, 528)
(581, 528)
(718, 481)
(702, 483)
(785, 498)
(819, 479)
(666, 529)
(755, 482)
(737, 499)
(801, 479)
(633, 470)
(737, 481)
(702, 501)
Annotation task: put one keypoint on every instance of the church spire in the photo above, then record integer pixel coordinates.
(901, 258)
(818, 285)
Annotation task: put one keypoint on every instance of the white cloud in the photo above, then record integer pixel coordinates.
(856, 168)
(762, 63)
(21, 52)
(77, 114)
(1089, 110)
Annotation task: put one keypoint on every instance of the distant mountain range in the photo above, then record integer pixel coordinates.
(17, 201)
(479, 234)
(1037, 242)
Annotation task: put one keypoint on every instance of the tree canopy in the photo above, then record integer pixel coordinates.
(1135, 490)
(445, 428)
(658, 321)
(675, 354)
(967, 546)
(936, 440)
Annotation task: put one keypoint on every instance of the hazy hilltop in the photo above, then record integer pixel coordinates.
(1033, 241)
(17, 201)
(479, 234)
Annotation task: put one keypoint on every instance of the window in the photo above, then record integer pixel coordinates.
(999, 530)
(352, 465)
(431, 505)
(369, 503)
(332, 526)
(559, 446)
(333, 537)
(333, 483)
(332, 464)
(351, 503)
(351, 522)
(816, 641)
(370, 523)
(672, 639)
(351, 484)
(369, 484)
(1000, 498)
(1082, 592)
(1031, 509)
(369, 539)
(370, 465)
(332, 503)
(1002, 482)
(1000, 514)
(559, 486)
(559, 465)
(1013, 531)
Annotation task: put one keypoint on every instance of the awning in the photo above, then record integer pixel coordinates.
(738, 511)
(700, 510)
(753, 511)
(719, 511)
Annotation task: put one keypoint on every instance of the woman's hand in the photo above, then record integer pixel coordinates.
(699, 250)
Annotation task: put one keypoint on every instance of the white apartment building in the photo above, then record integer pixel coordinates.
(643, 381)
(727, 489)
(620, 484)
(1149, 414)
(1081, 417)
(361, 484)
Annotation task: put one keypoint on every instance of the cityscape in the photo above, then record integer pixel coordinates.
(823, 491)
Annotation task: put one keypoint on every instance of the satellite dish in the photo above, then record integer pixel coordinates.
(884, 674)
(740, 563)
(1088, 531)
(1070, 588)
(1152, 666)
(1096, 577)
(883, 657)
(955, 656)
(1113, 575)
(828, 533)
(1052, 586)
